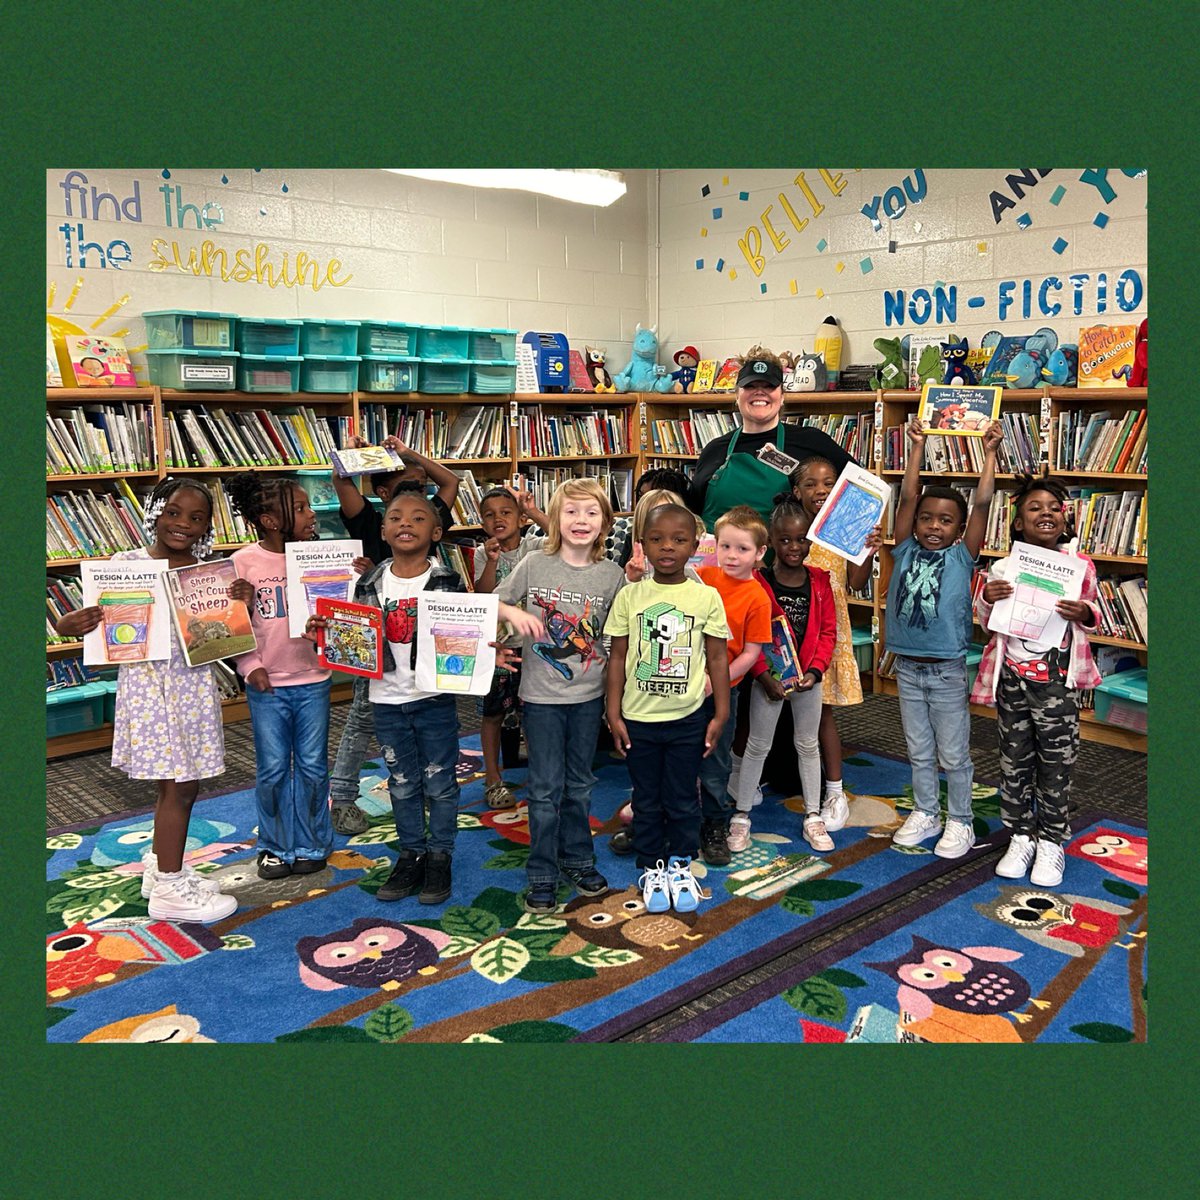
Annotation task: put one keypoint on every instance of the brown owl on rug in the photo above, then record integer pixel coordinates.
(619, 920)
(1068, 924)
(241, 880)
(370, 953)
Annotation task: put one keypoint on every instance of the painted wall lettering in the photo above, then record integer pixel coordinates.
(894, 201)
(751, 245)
(1016, 183)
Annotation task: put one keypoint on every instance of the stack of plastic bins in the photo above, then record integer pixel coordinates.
(329, 339)
(193, 370)
(269, 373)
(269, 336)
(394, 339)
(189, 329)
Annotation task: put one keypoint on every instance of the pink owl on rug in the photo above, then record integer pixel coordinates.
(1120, 854)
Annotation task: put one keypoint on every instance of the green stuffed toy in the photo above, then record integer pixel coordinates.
(891, 373)
(929, 366)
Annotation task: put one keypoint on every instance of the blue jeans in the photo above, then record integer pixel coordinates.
(937, 728)
(357, 735)
(419, 742)
(715, 801)
(561, 740)
(291, 753)
(664, 765)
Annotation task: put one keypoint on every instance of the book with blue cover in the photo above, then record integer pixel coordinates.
(1007, 348)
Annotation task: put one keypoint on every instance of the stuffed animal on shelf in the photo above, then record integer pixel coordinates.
(954, 355)
(686, 360)
(643, 373)
(593, 361)
(1137, 377)
(929, 365)
(1025, 370)
(1062, 367)
(810, 374)
(891, 373)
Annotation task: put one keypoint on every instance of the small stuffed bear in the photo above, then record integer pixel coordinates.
(686, 360)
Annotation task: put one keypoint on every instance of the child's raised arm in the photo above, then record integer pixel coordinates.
(446, 480)
(524, 623)
(985, 489)
(910, 489)
(487, 578)
(857, 574)
(350, 497)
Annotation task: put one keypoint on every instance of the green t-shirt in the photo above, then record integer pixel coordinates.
(666, 625)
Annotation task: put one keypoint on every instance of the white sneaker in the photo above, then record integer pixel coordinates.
(685, 891)
(739, 832)
(150, 876)
(815, 833)
(1016, 858)
(1048, 865)
(958, 838)
(183, 899)
(917, 828)
(653, 882)
(835, 811)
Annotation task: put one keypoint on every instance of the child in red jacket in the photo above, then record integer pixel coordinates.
(804, 597)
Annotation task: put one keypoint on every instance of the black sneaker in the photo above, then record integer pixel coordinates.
(308, 866)
(437, 878)
(621, 842)
(714, 848)
(541, 898)
(271, 866)
(348, 819)
(407, 876)
(588, 882)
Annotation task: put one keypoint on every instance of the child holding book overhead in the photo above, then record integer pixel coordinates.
(801, 595)
(929, 631)
(168, 719)
(1035, 692)
(668, 638)
(287, 691)
(558, 598)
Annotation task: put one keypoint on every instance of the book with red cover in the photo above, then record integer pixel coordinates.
(579, 376)
(352, 640)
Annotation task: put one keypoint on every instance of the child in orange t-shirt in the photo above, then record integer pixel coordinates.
(741, 543)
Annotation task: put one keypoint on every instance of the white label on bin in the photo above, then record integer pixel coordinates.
(206, 373)
(210, 333)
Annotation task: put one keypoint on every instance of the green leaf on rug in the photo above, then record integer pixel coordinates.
(539, 942)
(534, 1031)
(456, 946)
(840, 978)
(93, 910)
(817, 997)
(54, 1015)
(910, 849)
(500, 960)
(555, 970)
(504, 904)
(63, 841)
(1122, 889)
(797, 905)
(1101, 1031)
(606, 956)
(825, 889)
(856, 762)
(511, 860)
(388, 1023)
(328, 1033)
(237, 941)
(475, 923)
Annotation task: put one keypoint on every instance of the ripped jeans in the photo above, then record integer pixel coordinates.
(419, 743)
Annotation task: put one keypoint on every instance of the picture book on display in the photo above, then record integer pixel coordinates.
(367, 460)
(959, 411)
(783, 662)
(579, 376)
(726, 379)
(706, 375)
(916, 346)
(1007, 348)
(1106, 355)
(856, 505)
(210, 624)
(99, 361)
(352, 640)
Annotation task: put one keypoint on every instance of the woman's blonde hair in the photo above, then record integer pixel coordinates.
(756, 352)
(652, 499)
(578, 489)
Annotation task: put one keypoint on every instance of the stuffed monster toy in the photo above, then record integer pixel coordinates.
(644, 373)
(891, 372)
(810, 374)
(1062, 366)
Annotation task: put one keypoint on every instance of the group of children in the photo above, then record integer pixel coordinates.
(613, 627)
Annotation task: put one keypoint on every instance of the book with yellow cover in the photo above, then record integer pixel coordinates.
(706, 375)
(1106, 355)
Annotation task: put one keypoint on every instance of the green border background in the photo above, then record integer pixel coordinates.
(474, 84)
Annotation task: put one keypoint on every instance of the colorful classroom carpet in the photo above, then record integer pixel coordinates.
(318, 958)
(984, 960)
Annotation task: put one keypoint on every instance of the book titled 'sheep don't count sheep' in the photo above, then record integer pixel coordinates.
(210, 624)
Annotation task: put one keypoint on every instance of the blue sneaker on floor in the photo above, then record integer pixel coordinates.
(685, 891)
(653, 883)
(541, 898)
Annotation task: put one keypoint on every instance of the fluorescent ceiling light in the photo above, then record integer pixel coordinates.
(582, 187)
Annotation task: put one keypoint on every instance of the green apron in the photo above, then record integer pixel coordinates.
(742, 479)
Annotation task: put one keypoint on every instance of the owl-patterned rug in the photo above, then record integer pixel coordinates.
(985, 959)
(318, 958)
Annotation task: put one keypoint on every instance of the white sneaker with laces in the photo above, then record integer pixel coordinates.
(655, 894)
(739, 832)
(815, 833)
(917, 828)
(685, 891)
(150, 876)
(835, 811)
(1048, 864)
(1015, 862)
(958, 838)
(183, 899)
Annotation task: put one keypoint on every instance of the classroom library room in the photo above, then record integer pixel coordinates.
(595, 606)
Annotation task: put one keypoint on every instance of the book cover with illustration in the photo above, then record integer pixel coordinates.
(579, 376)
(783, 661)
(1006, 349)
(1106, 355)
(99, 361)
(917, 343)
(726, 379)
(365, 460)
(951, 411)
(210, 624)
(352, 640)
(706, 375)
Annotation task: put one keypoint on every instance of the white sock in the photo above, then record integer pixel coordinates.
(164, 877)
(833, 789)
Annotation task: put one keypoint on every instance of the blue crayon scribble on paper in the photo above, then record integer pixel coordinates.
(854, 514)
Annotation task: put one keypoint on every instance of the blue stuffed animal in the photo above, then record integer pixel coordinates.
(1062, 367)
(644, 372)
(1025, 370)
(954, 355)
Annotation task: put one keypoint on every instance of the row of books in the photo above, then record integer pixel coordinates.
(1123, 611)
(1019, 452)
(551, 432)
(1100, 442)
(617, 482)
(424, 429)
(851, 431)
(100, 438)
(659, 464)
(672, 437)
(198, 437)
(1111, 522)
(93, 524)
(479, 431)
(64, 594)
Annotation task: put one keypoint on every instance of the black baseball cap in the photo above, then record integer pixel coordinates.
(760, 370)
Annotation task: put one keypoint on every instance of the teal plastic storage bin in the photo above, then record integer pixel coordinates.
(443, 341)
(319, 486)
(269, 373)
(193, 370)
(110, 699)
(1121, 699)
(393, 339)
(332, 373)
(185, 329)
(493, 377)
(860, 639)
(492, 344)
(974, 655)
(381, 373)
(329, 339)
(442, 377)
(75, 709)
(274, 337)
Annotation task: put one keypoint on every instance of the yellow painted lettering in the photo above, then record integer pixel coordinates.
(835, 183)
(797, 224)
(243, 272)
(776, 240)
(817, 207)
(335, 265)
(209, 254)
(753, 256)
(303, 263)
(191, 265)
(158, 262)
